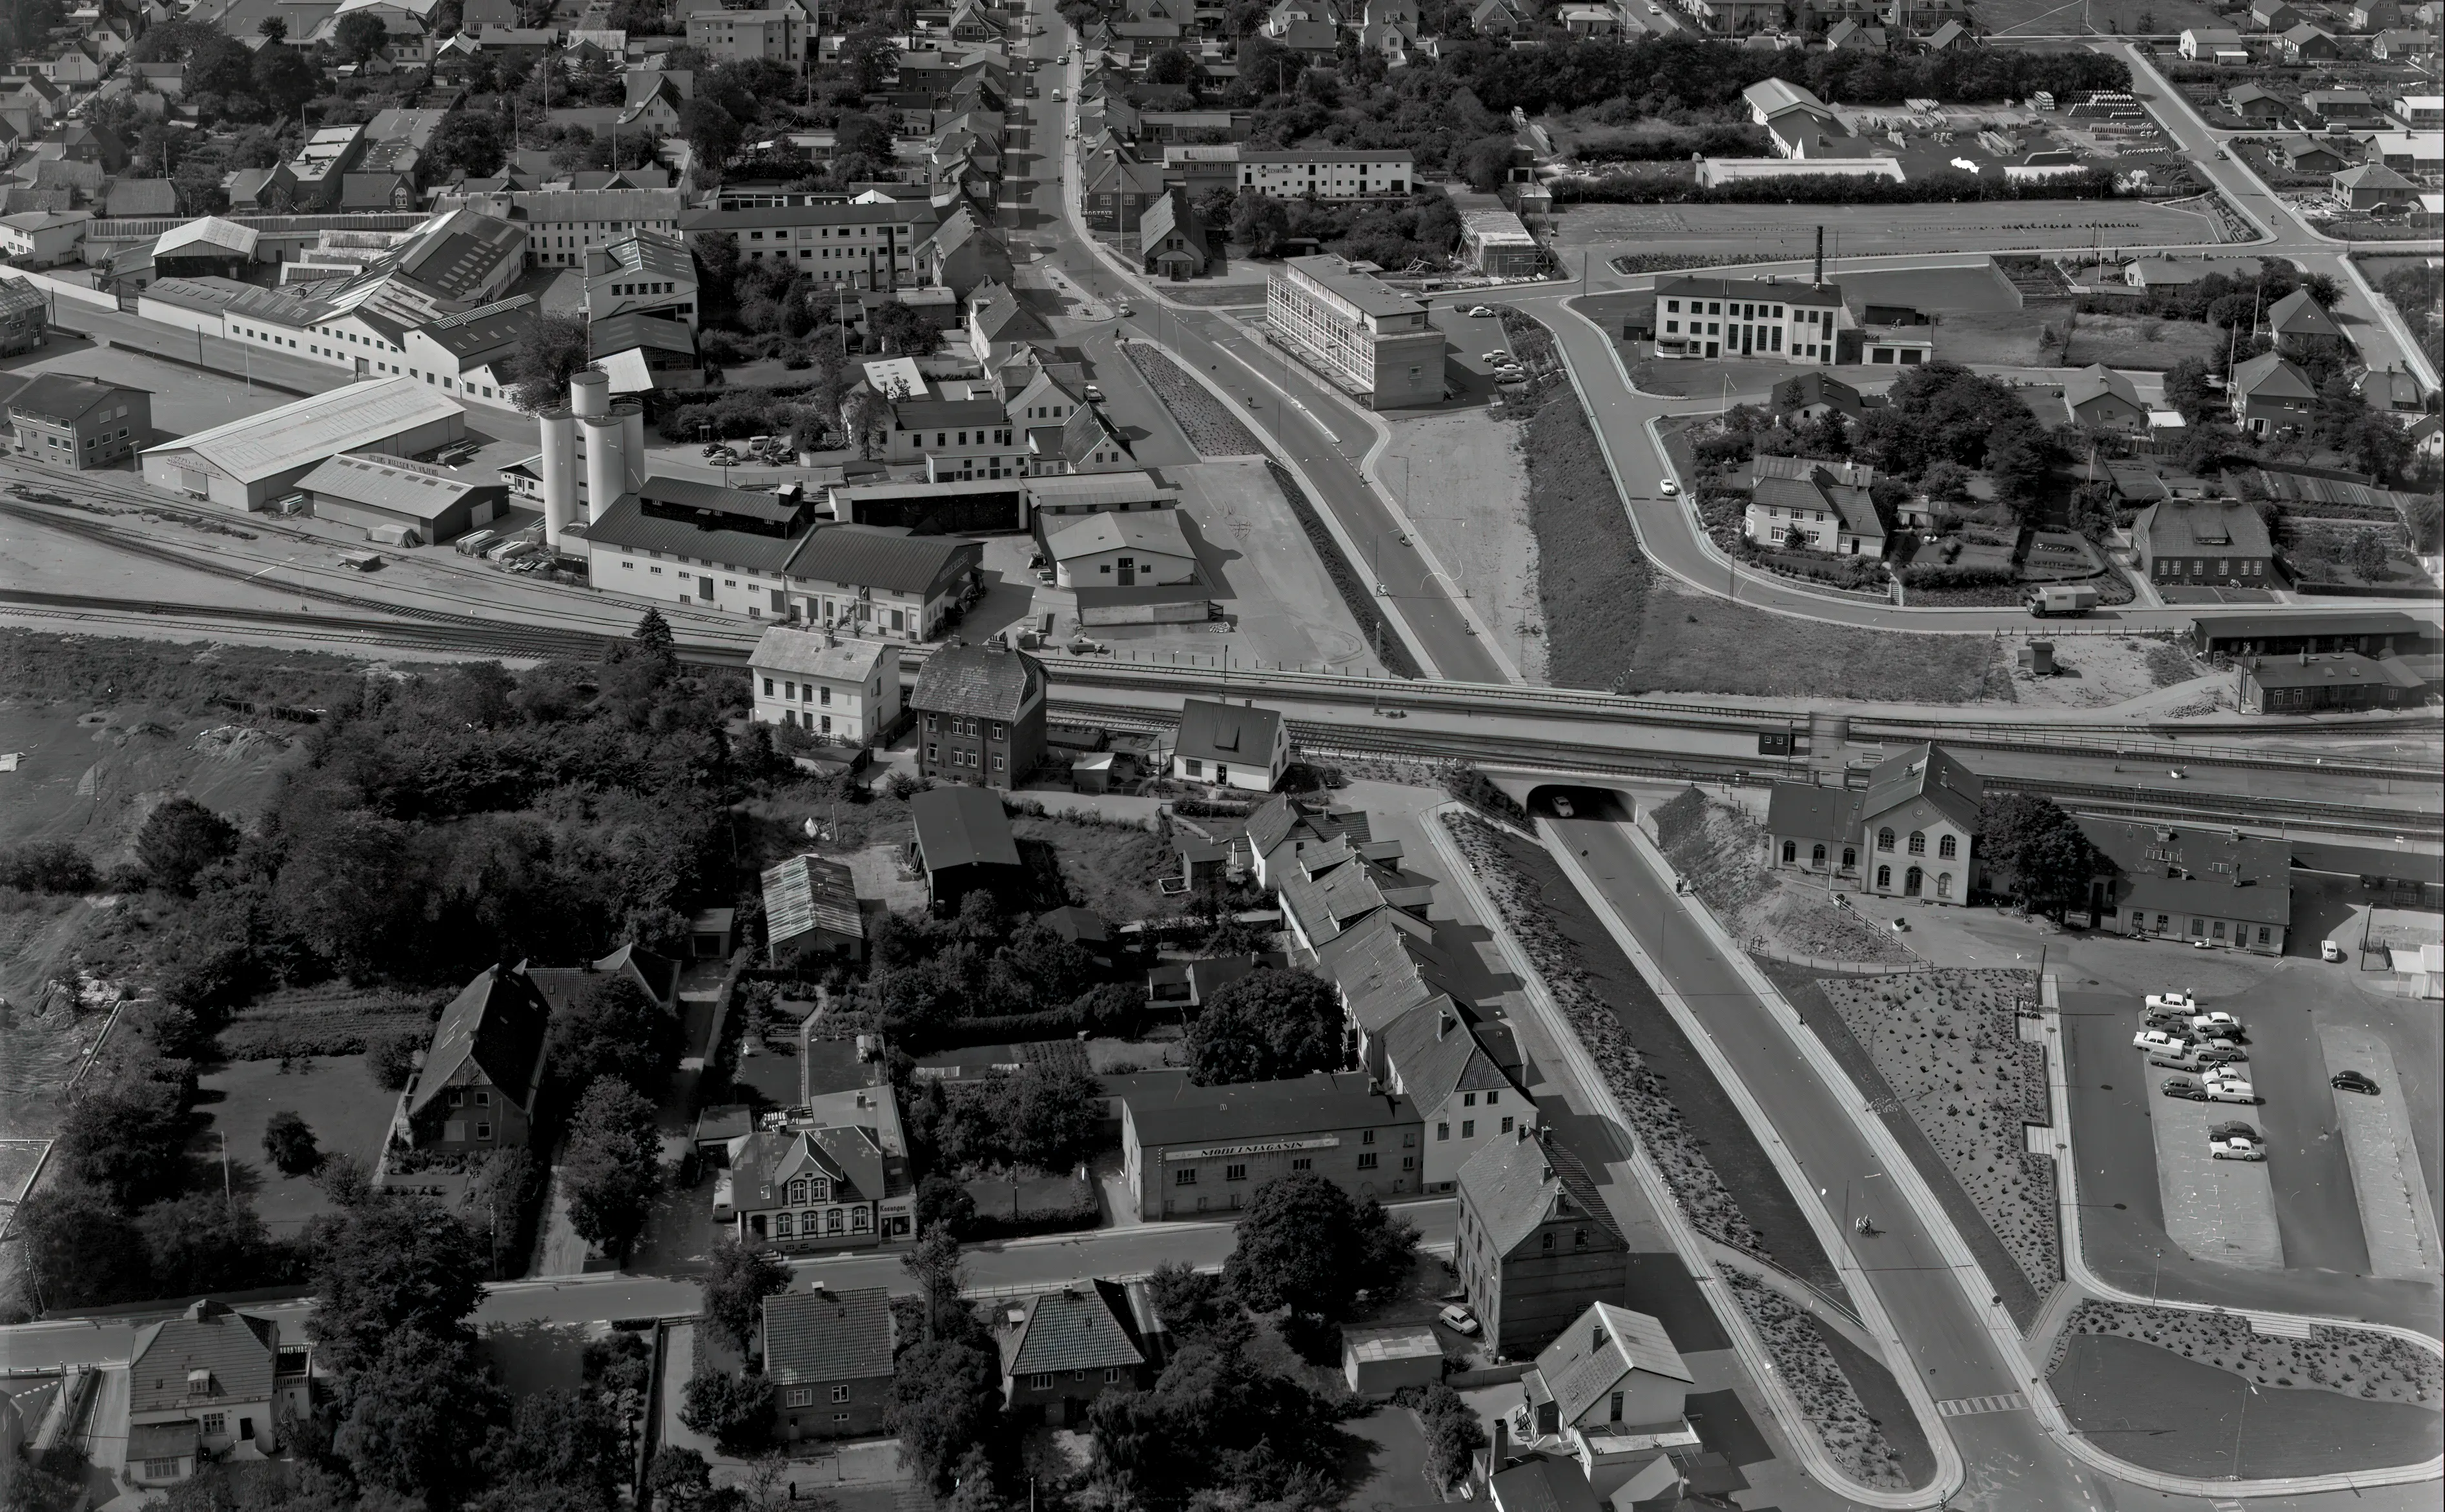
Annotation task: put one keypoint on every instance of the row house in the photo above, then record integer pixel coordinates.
(562, 224)
(860, 245)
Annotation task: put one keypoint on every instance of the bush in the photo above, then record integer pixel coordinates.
(393, 1059)
(1474, 788)
(289, 1143)
(736, 1411)
(48, 866)
(1937, 575)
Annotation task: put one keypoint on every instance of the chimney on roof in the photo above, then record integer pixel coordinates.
(1524, 1132)
(1820, 278)
(1443, 1025)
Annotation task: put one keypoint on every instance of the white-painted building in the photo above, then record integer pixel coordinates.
(846, 690)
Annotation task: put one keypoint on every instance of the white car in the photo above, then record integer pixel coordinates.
(1482, 312)
(1094, 395)
(2236, 1147)
(1668, 487)
(1494, 359)
(1063, 60)
(2216, 1021)
(2158, 1040)
(2224, 1087)
(1458, 1318)
(1562, 806)
(2176, 1001)
(2328, 950)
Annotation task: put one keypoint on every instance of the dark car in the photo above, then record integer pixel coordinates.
(2236, 1130)
(2186, 1089)
(2353, 1081)
(2221, 1056)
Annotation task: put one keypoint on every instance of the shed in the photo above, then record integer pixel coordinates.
(1379, 1361)
(810, 907)
(713, 933)
(377, 492)
(965, 843)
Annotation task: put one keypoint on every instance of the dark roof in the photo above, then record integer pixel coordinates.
(2272, 374)
(1801, 811)
(63, 397)
(1925, 772)
(1185, 1114)
(492, 329)
(618, 333)
(2182, 868)
(2297, 314)
(1435, 1052)
(963, 826)
(496, 1021)
(1077, 1328)
(1227, 732)
(625, 524)
(1515, 1185)
(2180, 526)
(746, 503)
(2276, 626)
(240, 1349)
(1079, 925)
(2331, 668)
(978, 680)
(1541, 1484)
(657, 978)
(822, 1336)
(867, 556)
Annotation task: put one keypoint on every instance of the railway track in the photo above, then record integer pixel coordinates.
(499, 640)
(1571, 757)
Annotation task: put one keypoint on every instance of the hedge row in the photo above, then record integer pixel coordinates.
(1937, 575)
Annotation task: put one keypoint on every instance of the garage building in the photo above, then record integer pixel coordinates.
(248, 464)
(382, 493)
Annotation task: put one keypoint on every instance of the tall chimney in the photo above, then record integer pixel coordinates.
(1820, 279)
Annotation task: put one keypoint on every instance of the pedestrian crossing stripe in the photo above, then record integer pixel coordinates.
(1974, 1406)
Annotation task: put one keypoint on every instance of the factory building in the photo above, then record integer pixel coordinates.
(248, 464)
(593, 451)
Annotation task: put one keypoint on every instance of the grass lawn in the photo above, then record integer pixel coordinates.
(336, 1095)
(2106, 16)
(1386, 1463)
(1591, 582)
(1696, 642)
(2157, 1408)
(1109, 867)
(2009, 338)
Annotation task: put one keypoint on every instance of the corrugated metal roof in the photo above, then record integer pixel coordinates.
(810, 892)
(307, 430)
(390, 484)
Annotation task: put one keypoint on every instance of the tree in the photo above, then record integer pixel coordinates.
(80, 1248)
(1269, 1024)
(557, 1442)
(613, 1166)
(283, 78)
(935, 1262)
(2187, 390)
(944, 1203)
(289, 1143)
(611, 1029)
(468, 142)
(735, 1411)
(388, 1265)
(273, 27)
(416, 1413)
(1305, 1243)
(180, 839)
(945, 1395)
(736, 1284)
(360, 37)
(1259, 222)
(48, 866)
(712, 131)
(2042, 851)
(128, 1138)
(1191, 1303)
(550, 352)
(679, 1477)
(901, 329)
(203, 1241)
(1453, 1433)
(1171, 65)
(1054, 1114)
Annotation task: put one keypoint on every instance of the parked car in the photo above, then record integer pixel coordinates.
(1094, 395)
(2159, 1039)
(2221, 1056)
(1458, 1318)
(2173, 1001)
(2230, 1089)
(2353, 1081)
(1481, 312)
(2174, 1060)
(2213, 1020)
(2239, 1145)
(2329, 950)
(2186, 1088)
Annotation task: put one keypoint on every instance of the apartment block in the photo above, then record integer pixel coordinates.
(1372, 342)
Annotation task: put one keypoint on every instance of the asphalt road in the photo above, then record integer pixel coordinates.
(1308, 422)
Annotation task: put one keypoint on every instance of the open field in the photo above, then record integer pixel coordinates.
(1591, 582)
(186, 400)
(1461, 478)
(1695, 642)
(1879, 229)
(2046, 18)
(2141, 342)
(2157, 1408)
(90, 775)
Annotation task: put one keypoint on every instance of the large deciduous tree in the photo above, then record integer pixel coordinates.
(1305, 1244)
(2038, 850)
(178, 840)
(736, 1284)
(389, 1264)
(1268, 1024)
(613, 1166)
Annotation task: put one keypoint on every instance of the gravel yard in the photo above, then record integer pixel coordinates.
(1462, 480)
(1853, 1441)
(1949, 1045)
(1211, 428)
(2370, 1366)
(1722, 853)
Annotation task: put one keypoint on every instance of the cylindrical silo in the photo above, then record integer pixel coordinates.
(559, 474)
(606, 466)
(632, 441)
(590, 392)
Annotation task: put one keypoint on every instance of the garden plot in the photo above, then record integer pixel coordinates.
(1947, 1043)
(1852, 1439)
(2373, 1367)
(1722, 853)
(1210, 427)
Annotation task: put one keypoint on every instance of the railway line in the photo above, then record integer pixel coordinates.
(489, 638)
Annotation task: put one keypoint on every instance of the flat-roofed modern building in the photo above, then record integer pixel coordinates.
(1195, 1149)
(1372, 342)
(1749, 317)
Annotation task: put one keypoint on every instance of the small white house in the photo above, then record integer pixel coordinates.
(1231, 745)
(848, 690)
(42, 238)
(1139, 548)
